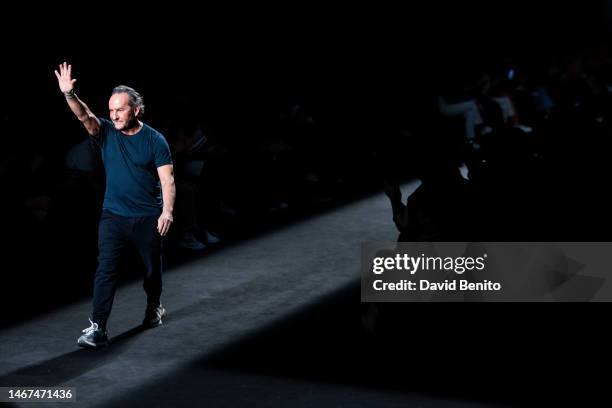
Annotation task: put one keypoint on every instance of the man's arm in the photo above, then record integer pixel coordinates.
(166, 178)
(78, 107)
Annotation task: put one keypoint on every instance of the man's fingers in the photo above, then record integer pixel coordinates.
(163, 226)
(166, 227)
(57, 74)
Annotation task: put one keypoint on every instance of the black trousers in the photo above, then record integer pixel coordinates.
(114, 234)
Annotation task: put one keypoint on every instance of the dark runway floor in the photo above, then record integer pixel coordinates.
(275, 321)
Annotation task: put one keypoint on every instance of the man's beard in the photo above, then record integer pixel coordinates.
(129, 124)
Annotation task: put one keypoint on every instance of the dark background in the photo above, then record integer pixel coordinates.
(224, 60)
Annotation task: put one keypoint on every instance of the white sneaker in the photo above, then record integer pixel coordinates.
(189, 241)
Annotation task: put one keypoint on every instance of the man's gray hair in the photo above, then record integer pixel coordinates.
(135, 97)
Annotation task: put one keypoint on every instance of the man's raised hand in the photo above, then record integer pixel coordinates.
(64, 78)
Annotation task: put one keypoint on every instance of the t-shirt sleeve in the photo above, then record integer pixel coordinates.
(101, 138)
(162, 151)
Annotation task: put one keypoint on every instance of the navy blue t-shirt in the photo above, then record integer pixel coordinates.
(131, 162)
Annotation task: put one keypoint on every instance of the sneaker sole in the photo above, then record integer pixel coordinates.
(152, 325)
(87, 344)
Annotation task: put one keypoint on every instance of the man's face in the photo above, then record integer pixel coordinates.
(121, 113)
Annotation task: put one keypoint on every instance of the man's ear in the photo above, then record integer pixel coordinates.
(137, 111)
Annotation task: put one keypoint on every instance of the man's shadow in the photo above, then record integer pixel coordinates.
(61, 369)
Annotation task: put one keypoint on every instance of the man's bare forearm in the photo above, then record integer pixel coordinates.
(78, 107)
(83, 113)
(169, 194)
